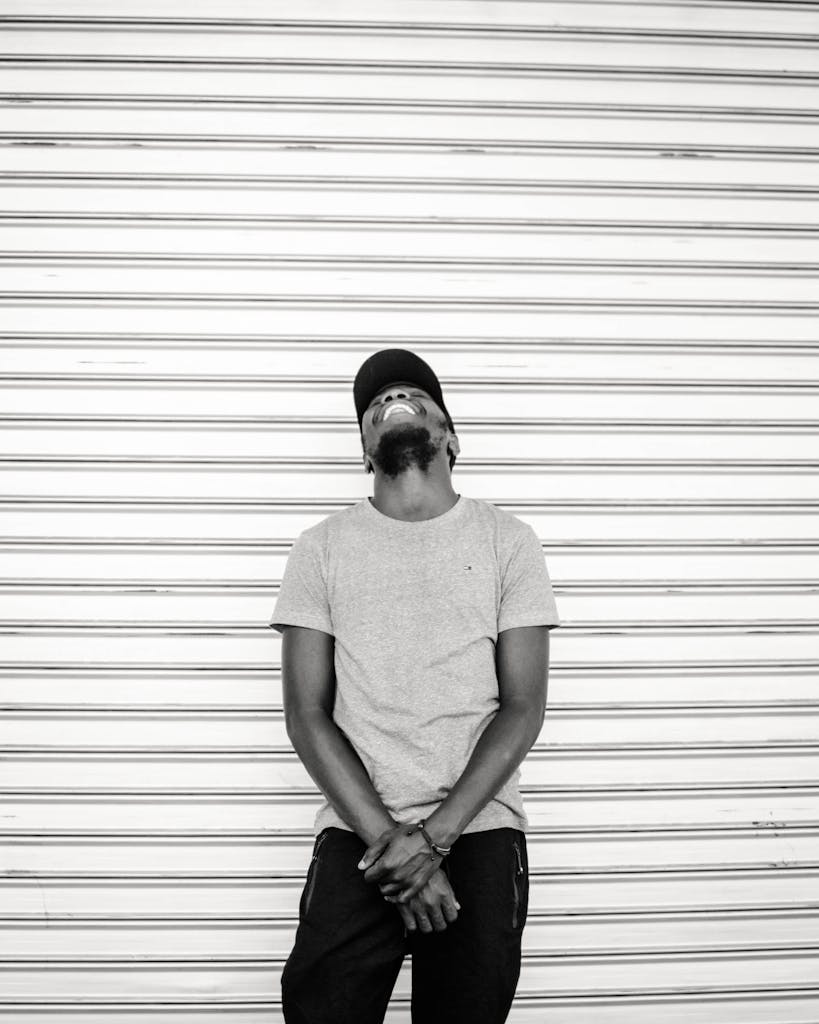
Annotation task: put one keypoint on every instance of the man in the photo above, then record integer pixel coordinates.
(414, 663)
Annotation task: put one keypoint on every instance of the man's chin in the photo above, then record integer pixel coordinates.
(403, 446)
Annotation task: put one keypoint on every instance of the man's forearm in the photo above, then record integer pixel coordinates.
(337, 770)
(500, 750)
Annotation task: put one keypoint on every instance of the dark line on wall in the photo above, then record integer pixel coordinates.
(370, 183)
(443, 107)
(362, 27)
(565, 424)
(312, 506)
(355, 343)
(364, 263)
(563, 384)
(510, 225)
(481, 69)
(238, 463)
(505, 304)
(406, 144)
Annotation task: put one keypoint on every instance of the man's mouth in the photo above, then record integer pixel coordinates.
(396, 407)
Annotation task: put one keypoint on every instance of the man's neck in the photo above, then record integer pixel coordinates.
(413, 496)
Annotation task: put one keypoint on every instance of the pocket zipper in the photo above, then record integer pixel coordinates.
(309, 892)
(518, 873)
(321, 839)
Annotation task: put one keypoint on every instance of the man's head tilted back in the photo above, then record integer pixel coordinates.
(423, 420)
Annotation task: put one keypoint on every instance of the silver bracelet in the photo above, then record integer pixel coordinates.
(442, 851)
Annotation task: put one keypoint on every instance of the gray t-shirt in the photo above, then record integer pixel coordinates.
(415, 609)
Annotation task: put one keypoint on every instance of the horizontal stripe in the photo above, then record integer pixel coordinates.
(683, 830)
(603, 547)
(679, 307)
(770, 467)
(259, 85)
(313, 506)
(372, 326)
(683, 871)
(202, 999)
(614, 588)
(528, 291)
(382, 143)
(590, 709)
(682, 994)
(582, 916)
(623, 627)
(286, 755)
(720, 15)
(67, 669)
(530, 958)
(481, 344)
(524, 423)
(393, 130)
(349, 183)
(585, 384)
(658, 267)
(438, 29)
(181, 101)
(433, 224)
(657, 73)
(299, 794)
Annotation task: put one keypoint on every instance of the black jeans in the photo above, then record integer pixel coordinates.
(350, 942)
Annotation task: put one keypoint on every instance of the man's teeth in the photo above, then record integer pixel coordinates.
(398, 408)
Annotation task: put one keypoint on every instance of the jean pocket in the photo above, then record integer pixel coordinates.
(520, 886)
(309, 885)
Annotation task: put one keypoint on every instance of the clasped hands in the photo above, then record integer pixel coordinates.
(408, 874)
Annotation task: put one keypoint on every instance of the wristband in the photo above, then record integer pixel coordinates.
(442, 851)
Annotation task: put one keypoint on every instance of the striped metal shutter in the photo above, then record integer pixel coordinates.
(598, 222)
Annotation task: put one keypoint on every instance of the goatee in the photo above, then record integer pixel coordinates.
(405, 445)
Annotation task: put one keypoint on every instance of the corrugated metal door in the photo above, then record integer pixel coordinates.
(598, 222)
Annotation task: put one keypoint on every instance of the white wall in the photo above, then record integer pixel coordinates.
(598, 222)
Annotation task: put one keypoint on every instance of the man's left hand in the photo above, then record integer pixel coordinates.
(401, 864)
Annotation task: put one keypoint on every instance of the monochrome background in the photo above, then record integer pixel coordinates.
(598, 222)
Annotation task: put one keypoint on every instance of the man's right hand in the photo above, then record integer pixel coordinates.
(431, 909)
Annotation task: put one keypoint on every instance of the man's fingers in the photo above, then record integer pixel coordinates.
(433, 905)
(412, 889)
(374, 851)
(386, 869)
(423, 921)
(450, 909)
(373, 874)
(437, 918)
(407, 917)
(389, 889)
(449, 901)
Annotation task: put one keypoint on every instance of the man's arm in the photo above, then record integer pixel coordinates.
(308, 678)
(522, 665)
(309, 683)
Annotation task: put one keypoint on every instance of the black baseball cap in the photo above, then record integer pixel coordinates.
(389, 366)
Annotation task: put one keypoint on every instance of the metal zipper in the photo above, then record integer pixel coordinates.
(321, 839)
(312, 871)
(517, 854)
(518, 873)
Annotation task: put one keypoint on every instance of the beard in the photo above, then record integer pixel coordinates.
(405, 445)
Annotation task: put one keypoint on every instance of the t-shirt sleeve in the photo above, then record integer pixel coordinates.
(527, 598)
(302, 599)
